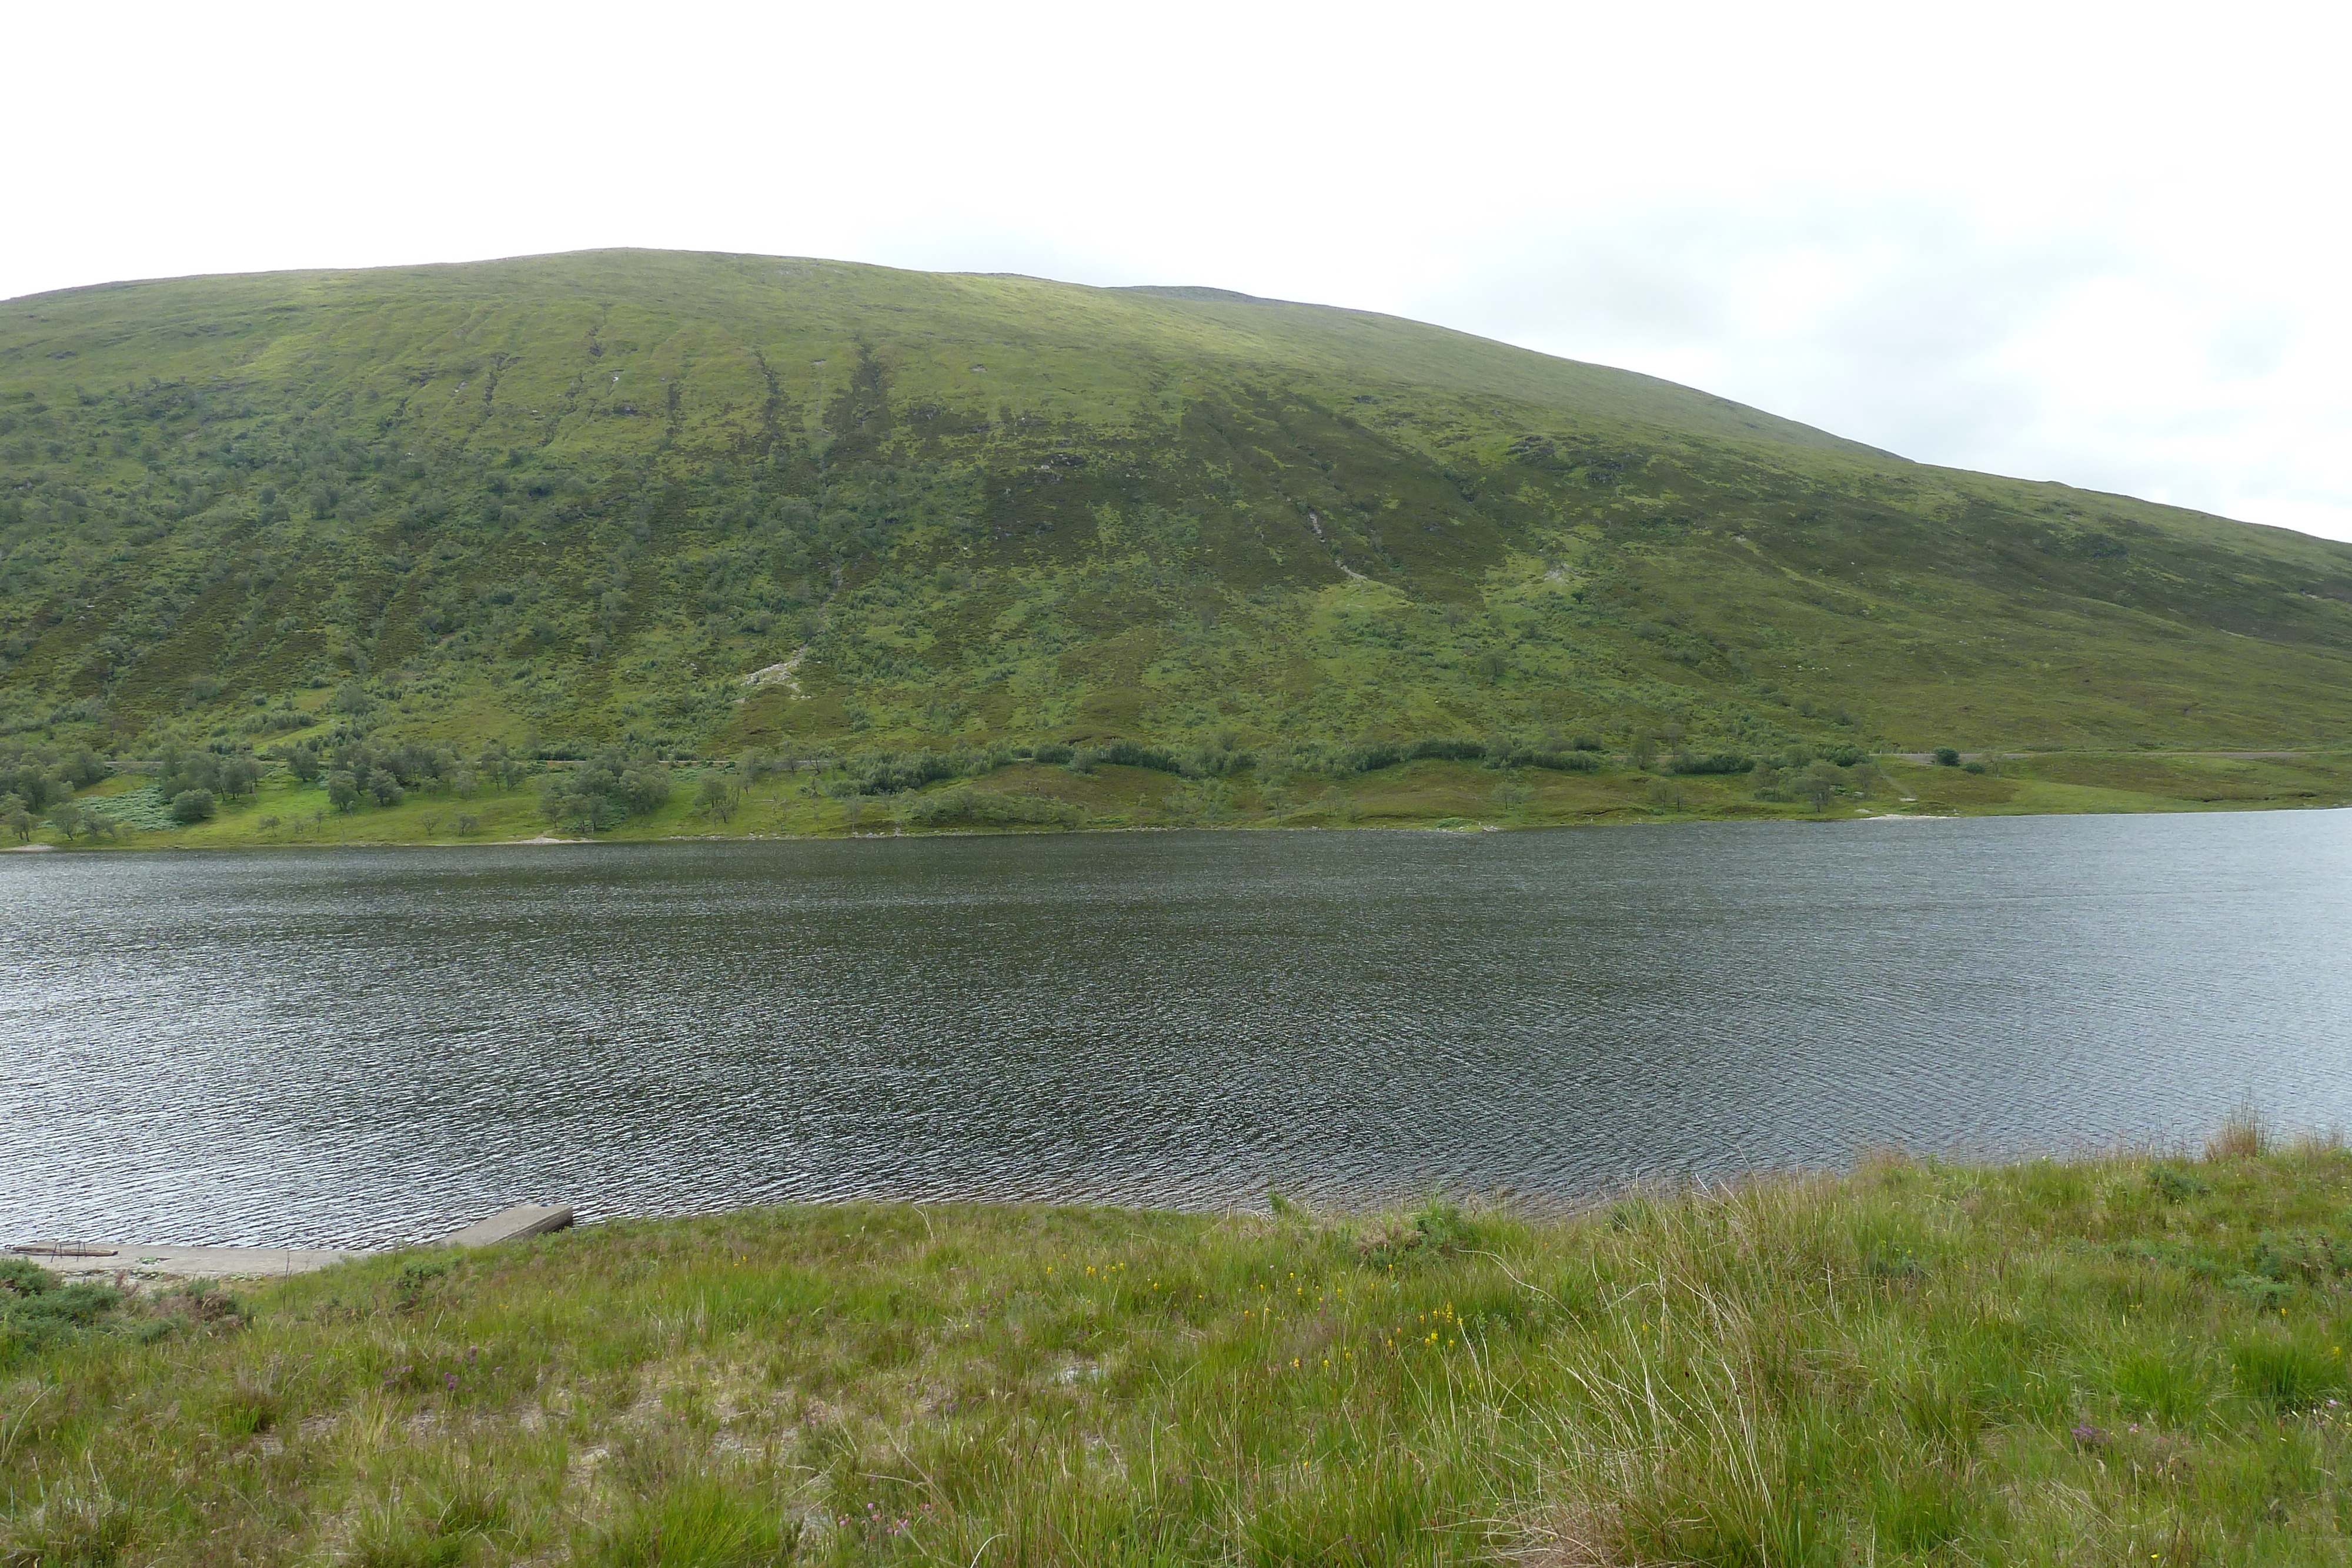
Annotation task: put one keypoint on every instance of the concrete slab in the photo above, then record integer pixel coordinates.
(511, 1225)
(145, 1263)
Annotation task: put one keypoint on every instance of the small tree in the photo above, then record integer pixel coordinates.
(644, 786)
(384, 787)
(1948, 756)
(586, 809)
(304, 763)
(238, 775)
(499, 764)
(715, 800)
(70, 820)
(191, 806)
(184, 770)
(1820, 785)
(343, 790)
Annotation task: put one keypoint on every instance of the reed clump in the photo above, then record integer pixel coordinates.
(2121, 1359)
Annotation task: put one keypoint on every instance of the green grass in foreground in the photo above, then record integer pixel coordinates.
(2121, 1359)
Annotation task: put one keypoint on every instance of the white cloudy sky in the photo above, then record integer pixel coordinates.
(2097, 243)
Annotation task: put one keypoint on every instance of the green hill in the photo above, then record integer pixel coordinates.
(576, 500)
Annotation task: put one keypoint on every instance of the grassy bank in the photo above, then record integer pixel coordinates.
(2119, 1360)
(1032, 796)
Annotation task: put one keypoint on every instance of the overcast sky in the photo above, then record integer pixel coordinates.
(2101, 244)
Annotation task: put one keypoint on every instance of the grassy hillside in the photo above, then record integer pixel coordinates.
(2120, 1361)
(576, 500)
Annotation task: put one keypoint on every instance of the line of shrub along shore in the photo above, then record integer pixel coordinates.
(589, 790)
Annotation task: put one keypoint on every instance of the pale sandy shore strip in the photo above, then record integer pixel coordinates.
(153, 1266)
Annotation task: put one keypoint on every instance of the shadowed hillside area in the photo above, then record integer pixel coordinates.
(690, 505)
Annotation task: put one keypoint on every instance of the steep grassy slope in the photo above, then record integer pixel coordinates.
(577, 499)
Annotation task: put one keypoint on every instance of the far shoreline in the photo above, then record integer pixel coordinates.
(711, 802)
(1106, 830)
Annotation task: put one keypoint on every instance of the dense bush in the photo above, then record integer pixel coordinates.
(73, 821)
(1370, 756)
(1218, 761)
(894, 772)
(605, 789)
(1557, 761)
(1366, 756)
(409, 764)
(1711, 762)
(191, 806)
(1126, 754)
(181, 770)
(41, 778)
(36, 1308)
(966, 804)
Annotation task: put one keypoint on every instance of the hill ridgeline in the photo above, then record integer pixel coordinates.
(698, 505)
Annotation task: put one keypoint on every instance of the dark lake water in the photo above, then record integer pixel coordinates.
(340, 1047)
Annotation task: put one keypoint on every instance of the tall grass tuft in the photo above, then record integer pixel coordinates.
(2242, 1136)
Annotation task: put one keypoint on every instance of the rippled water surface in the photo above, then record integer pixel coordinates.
(356, 1046)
